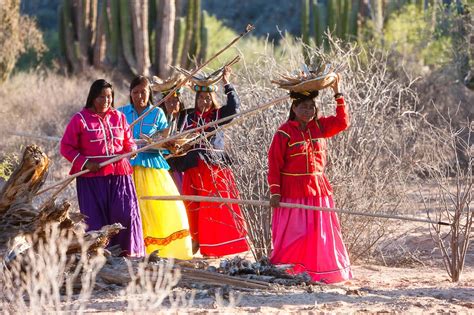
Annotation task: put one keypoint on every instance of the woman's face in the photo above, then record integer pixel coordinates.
(204, 101)
(172, 105)
(103, 102)
(305, 111)
(140, 95)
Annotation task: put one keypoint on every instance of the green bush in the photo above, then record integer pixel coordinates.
(419, 36)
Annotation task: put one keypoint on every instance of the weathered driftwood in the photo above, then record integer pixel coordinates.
(218, 279)
(25, 180)
(16, 208)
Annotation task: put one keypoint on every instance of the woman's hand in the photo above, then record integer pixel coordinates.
(275, 201)
(226, 74)
(336, 85)
(92, 166)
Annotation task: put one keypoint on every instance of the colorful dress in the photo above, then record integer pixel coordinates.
(108, 195)
(219, 229)
(310, 240)
(165, 223)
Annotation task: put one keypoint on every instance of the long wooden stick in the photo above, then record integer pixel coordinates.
(248, 112)
(266, 203)
(248, 29)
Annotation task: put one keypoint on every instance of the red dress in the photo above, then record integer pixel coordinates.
(310, 240)
(219, 229)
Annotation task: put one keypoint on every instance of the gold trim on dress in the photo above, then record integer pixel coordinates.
(283, 133)
(301, 174)
(149, 240)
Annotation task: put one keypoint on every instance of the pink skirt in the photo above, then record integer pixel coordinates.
(310, 240)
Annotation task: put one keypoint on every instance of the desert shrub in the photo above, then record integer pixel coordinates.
(18, 34)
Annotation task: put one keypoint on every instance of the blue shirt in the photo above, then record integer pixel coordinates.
(153, 122)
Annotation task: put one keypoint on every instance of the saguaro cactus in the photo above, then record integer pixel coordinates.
(204, 33)
(166, 38)
(340, 17)
(139, 14)
(120, 33)
(305, 27)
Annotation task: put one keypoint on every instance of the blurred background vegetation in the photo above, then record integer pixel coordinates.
(77, 34)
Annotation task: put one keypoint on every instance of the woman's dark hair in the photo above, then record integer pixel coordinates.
(299, 98)
(140, 79)
(181, 105)
(96, 90)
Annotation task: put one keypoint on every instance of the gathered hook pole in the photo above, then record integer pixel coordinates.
(247, 112)
(247, 30)
(266, 203)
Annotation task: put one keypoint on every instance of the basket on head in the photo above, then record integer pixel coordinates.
(164, 86)
(306, 80)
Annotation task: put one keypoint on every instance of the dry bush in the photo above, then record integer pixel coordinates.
(46, 279)
(453, 196)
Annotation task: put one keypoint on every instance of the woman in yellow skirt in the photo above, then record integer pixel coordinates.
(165, 223)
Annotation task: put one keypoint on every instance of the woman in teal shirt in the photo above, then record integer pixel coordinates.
(165, 223)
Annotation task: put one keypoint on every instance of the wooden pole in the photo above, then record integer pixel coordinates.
(248, 29)
(248, 112)
(266, 203)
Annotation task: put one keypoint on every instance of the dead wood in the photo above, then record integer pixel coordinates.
(25, 180)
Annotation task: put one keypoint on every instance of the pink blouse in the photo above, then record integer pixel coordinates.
(89, 136)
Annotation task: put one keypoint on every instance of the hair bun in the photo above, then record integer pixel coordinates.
(303, 95)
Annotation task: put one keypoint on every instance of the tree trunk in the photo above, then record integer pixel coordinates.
(16, 208)
(165, 52)
(139, 13)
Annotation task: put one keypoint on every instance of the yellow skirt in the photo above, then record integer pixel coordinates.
(165, 223)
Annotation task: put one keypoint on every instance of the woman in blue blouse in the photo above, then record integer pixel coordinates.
(165, 223)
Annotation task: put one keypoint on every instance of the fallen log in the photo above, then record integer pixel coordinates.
(209, 277)
(16, 195)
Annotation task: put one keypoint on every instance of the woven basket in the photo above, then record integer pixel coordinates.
(160, 85)
(307, 84)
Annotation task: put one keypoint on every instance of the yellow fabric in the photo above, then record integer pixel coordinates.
(165, 223)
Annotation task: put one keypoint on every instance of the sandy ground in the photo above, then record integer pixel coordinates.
(422, 286)
(374, 289)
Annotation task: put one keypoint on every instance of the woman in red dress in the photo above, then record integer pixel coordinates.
(310, 240)
(216, 229)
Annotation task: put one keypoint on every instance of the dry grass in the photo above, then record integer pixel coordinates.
(151, 288)
(46, 278)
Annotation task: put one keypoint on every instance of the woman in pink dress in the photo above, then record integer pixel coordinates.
(309, 240)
